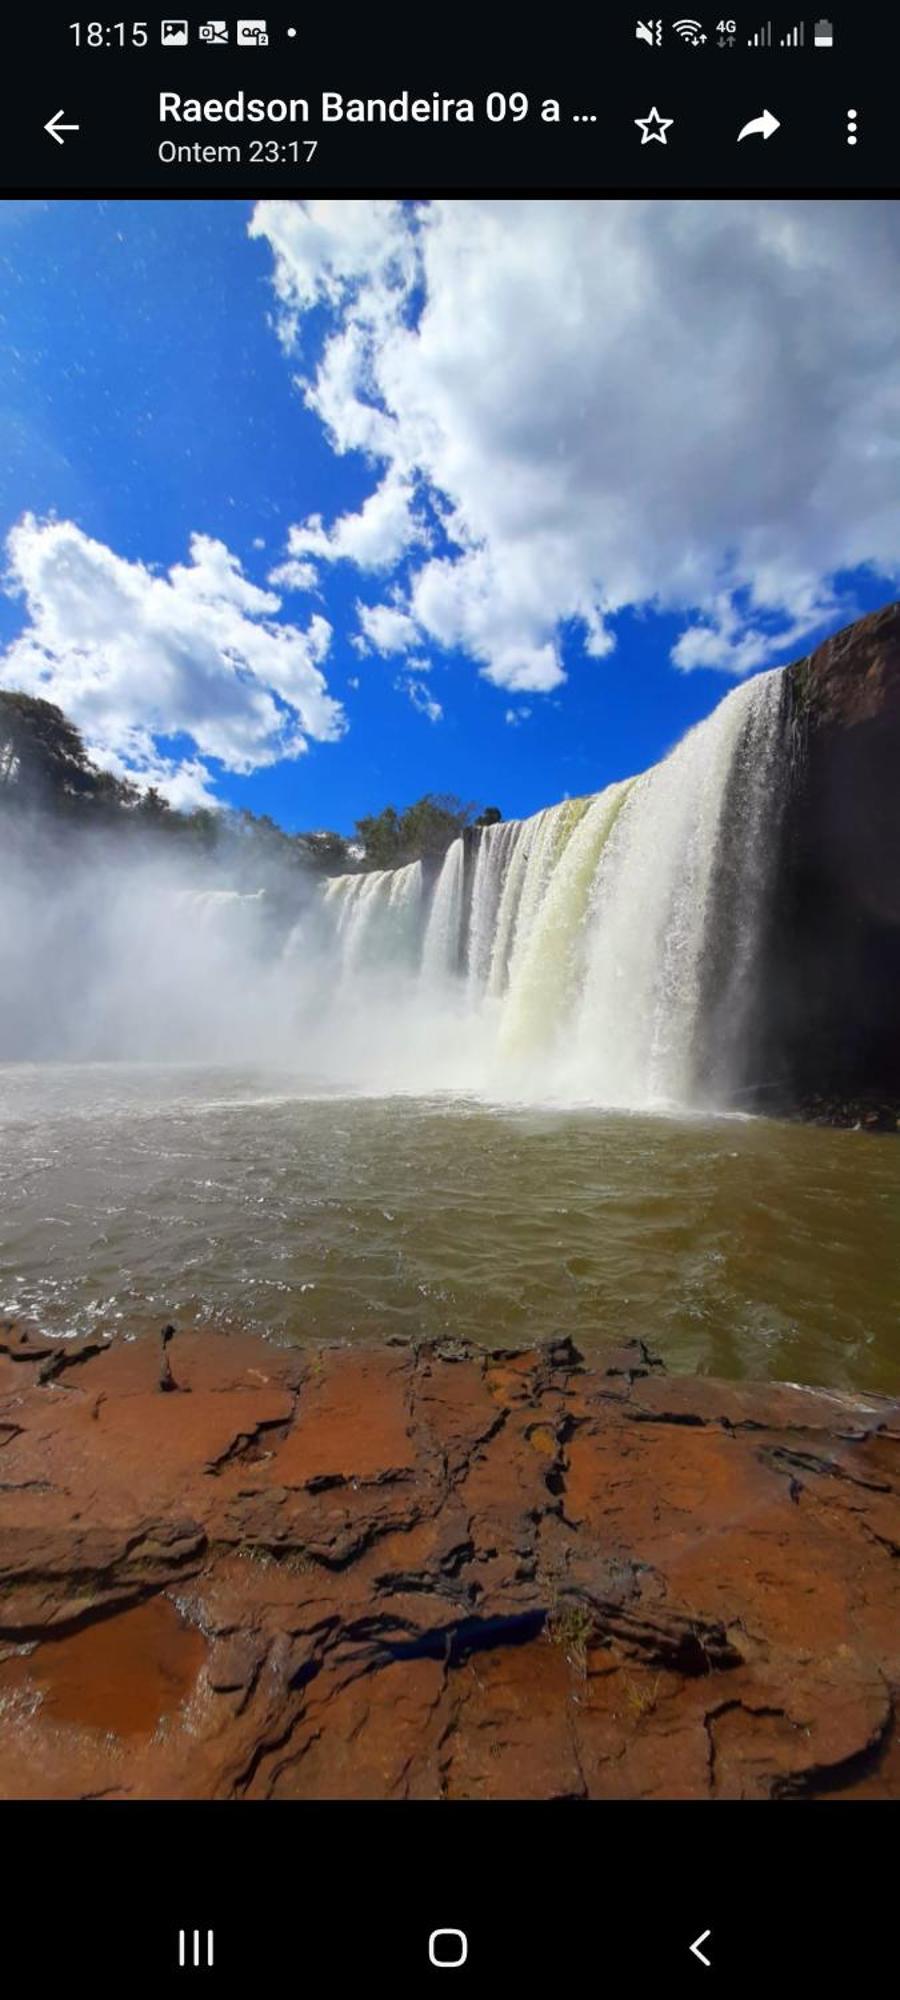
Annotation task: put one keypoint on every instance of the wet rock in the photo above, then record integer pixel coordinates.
(234, 1663)
(411, 1572)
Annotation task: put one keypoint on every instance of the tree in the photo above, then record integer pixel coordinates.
(380, 837)
(422, 830)
(44, 760)
(114, 794)
(201, 825)
(256, 832)
(325, 850)
(154, 809)
(428, 827)
(44, 763)
(41, 751)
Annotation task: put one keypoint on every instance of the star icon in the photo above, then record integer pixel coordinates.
(654, 127)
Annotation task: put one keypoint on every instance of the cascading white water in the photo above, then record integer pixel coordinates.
(404, 911)
(747, 847)
(443, 937)
(551, 834)
(650, 911)
(606, 948)
(548, 969)
(494, 847)
(376, 917)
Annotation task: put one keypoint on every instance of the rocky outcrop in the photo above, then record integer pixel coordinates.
(828, 1038)
(437, 1572)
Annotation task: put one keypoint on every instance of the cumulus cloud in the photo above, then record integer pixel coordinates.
(137, 657)
(374, 538)
(387, 629)
(684, 406)
(293, 575)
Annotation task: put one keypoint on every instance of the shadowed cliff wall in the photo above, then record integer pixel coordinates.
(830, 993)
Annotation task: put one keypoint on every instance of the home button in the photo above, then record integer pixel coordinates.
(448, 1948)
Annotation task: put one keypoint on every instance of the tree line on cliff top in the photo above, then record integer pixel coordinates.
(45, 767)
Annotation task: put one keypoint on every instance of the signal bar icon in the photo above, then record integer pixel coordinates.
(795, 37)
(762, 38)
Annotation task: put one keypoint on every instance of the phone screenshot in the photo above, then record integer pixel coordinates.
(450, 1000)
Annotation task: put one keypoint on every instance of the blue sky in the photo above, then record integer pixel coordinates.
(149, 395)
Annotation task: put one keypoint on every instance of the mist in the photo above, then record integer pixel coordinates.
(573, 957)
(133, 951)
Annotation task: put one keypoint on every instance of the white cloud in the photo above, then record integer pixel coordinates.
(688, 406)
(186, 782)
(421, 696)
(330, 252)
(498, 614)
(134, 656)
(387, 629)
(516, 716)
(292, 575)
(374, 538)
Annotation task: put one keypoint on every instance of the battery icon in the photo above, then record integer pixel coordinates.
(824, 35)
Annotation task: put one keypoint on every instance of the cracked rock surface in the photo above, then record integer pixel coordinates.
(438, 1572)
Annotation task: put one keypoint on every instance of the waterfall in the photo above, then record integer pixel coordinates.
(527, 831)
(650, 915)
(746, 855)
(607, 948)
(494, 845)
(547, 972)
(443, 937)
(404, 911)
(376, 917)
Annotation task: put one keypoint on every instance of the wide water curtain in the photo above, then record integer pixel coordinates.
(376, 917)
(608, 949)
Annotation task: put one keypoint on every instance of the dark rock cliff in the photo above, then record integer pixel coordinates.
(829, 1030)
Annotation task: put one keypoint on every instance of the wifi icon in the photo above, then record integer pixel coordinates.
(690, 31)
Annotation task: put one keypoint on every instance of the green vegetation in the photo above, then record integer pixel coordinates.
(571, 1626)
(45, 768)
(43, 760)
(391, 838)
(642, 1697)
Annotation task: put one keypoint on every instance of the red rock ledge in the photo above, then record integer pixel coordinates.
(435, 1572)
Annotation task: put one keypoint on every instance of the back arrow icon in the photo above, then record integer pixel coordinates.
(56, 130)
(767, 124)
(695, 1947)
